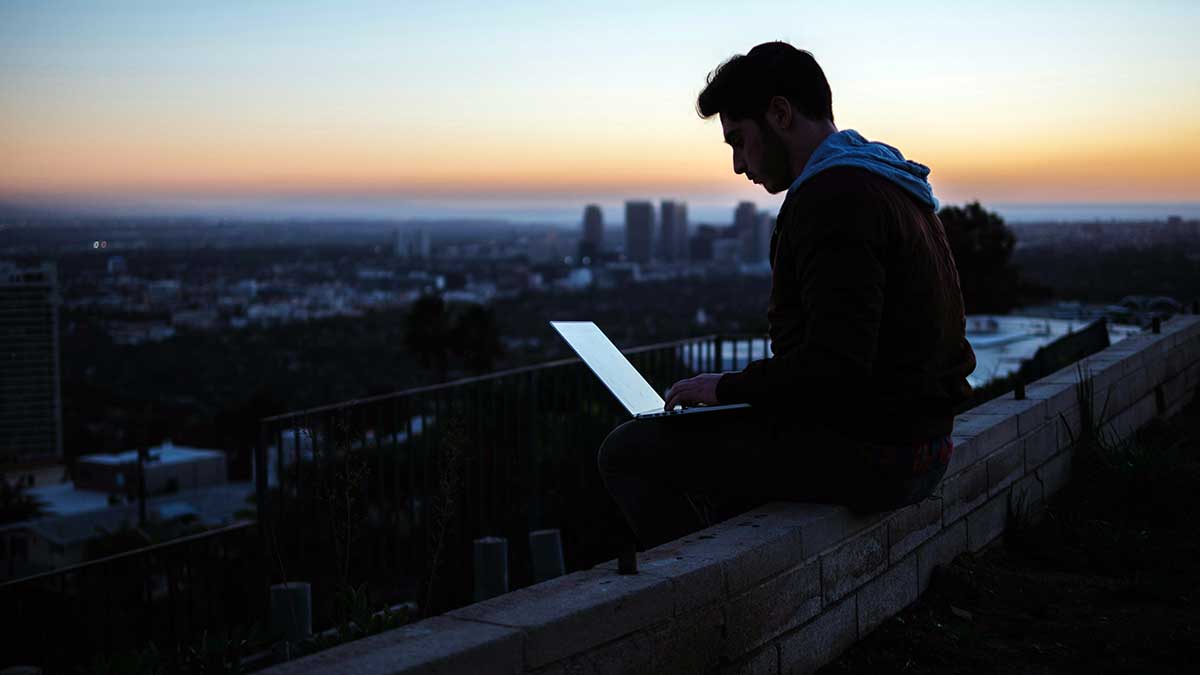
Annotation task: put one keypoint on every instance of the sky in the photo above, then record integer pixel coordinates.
(416, 108)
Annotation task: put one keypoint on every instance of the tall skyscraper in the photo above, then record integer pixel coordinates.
(414, 244)
(747, 225)
(591, 245)
(681, 221)
(639, 231)
(30, 396)
(672, 242)
(763, 224)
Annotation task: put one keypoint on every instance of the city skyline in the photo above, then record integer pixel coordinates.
(305, 109)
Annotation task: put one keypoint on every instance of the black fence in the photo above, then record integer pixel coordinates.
(75, 618)
(379, 497)
(391, 491)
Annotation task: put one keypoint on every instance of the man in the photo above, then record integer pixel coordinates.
(867, 327)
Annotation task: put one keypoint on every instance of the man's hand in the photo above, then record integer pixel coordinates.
(692, 391)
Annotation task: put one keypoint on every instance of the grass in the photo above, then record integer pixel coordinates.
(1103, 577)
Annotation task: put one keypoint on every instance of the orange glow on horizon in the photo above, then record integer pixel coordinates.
(1081, 164)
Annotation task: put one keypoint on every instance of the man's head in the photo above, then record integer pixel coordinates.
(775, 109)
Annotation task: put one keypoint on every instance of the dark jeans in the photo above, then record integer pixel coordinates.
(671, 476)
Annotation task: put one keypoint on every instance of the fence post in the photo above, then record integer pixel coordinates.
(291, 611)
(627, 560)
(261, 471)
(491, 567)
(546, 554)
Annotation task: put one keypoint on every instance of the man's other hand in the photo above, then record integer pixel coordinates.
(701, 389)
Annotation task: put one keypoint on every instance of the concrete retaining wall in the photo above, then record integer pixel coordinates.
(788, 586)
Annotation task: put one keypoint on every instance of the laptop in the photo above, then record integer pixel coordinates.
(619, 375)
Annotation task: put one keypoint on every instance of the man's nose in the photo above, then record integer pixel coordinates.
(739, 167)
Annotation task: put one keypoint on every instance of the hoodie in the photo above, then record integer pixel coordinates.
(849, 148)
(865, 314)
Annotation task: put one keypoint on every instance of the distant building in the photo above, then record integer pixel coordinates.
(672, 243)
(116, 265)
(700, 247)
(168, 468)
(744, 216)
(763, 226)
(76, 518)
(163, 291)
(30, 395)
(137, 332)
(413, 245)
(750, 225)
(592, 243)
(196, 319)
(639, 231)
(727, 250)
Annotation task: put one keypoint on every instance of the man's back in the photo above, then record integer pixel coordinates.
(866, 314)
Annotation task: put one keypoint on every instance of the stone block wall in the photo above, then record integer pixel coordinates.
(788, 586)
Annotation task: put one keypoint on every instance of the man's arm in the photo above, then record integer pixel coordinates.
(841, 275)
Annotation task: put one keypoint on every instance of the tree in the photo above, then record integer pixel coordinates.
(476, 338)
(982, 246)
(427, 333)
(15, 504)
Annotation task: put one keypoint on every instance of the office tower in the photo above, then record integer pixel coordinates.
(700, 247)
(416, 244)
(746, 227)
(681, 226)
(672, 242)
(30, 397)
(592, 243)
(424, 245)
(743, 217)
(639, 231)
(763, 225)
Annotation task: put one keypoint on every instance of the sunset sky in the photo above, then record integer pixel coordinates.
(420, 105)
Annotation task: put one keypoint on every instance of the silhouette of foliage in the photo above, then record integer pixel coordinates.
(15, 504)
(427, 333)
(983, 245)
(476, 338)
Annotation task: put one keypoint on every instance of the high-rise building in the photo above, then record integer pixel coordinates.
(745, 219)
(672, 242)
(415, 244)
(700, 248)
(592, 243)
(763, 225)
(30, 396)
(639, 231)
(681, 222)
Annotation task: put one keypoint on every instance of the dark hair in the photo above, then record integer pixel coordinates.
(744, 85)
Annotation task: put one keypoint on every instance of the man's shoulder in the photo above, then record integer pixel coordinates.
(839, 182)
(836, 198)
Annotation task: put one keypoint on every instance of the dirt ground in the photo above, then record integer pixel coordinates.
(1107, 581)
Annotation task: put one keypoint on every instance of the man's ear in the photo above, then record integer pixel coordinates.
(779, 113)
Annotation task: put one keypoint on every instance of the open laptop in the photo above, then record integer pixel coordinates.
(619, 375)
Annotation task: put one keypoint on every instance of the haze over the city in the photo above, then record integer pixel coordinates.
(529, 111)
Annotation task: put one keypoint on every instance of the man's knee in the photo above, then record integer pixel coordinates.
(625, 449)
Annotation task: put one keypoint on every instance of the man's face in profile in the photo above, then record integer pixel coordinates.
(758, 152)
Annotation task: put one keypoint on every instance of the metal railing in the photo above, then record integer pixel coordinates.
(167, 594)
(361, 492)
(364, 490)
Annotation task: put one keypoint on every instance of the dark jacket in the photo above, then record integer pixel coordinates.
(868, 332)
